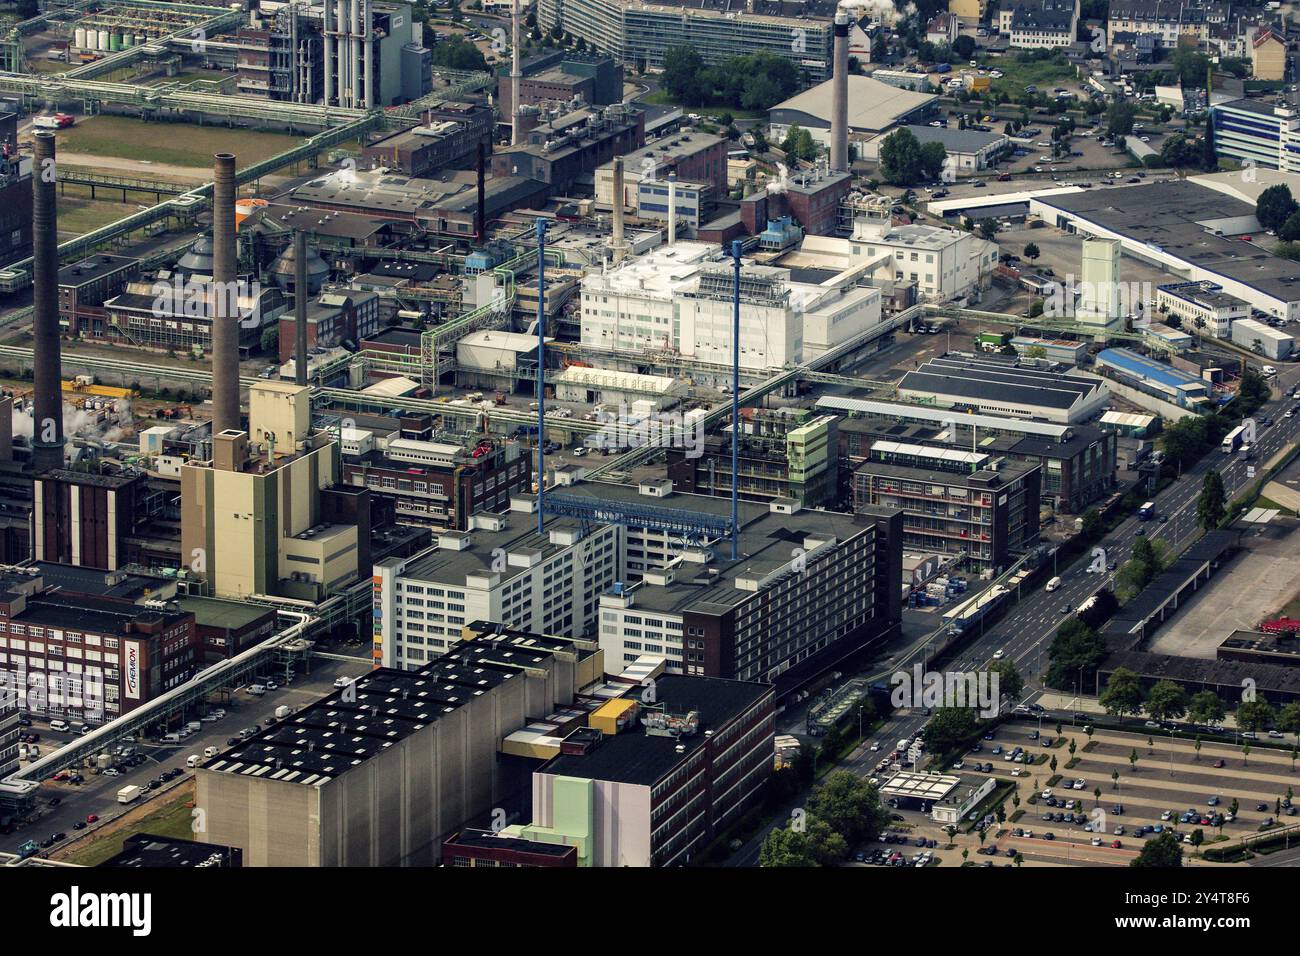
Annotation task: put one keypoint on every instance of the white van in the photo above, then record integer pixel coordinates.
(59, 726)
(193, 760)
(257, 690)
(1053, 584)
(171, 738)
(209, 752)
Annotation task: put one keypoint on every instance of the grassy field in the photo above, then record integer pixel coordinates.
(79, 214)
(660, 98)
(1020, 71)
(174, 144)
(173, 818)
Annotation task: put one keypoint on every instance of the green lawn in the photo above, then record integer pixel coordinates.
(171, 143)
(1019, 72)
(173, 819)
(660, 98)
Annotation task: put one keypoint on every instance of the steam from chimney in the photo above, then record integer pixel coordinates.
(47, 387)
(840, 96)
(225, 327)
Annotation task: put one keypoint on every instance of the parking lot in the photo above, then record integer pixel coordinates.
(63, 804)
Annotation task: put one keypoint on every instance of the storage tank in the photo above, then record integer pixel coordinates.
(128, 40)
(79, 38)
(103, 40)
(115, 41)
(141, 39)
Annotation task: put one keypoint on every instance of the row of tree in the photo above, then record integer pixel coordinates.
(755, 82)
(841, 813)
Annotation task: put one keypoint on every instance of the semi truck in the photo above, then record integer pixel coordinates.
(128, 794)
(57, 121)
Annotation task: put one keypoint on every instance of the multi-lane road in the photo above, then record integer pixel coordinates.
(1025, 633)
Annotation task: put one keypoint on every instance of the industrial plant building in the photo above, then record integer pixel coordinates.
(873, 108)
(1189, 227)
(679, 298)
(563, 76)
(381, 772)
(450, 135)
(1006, 388)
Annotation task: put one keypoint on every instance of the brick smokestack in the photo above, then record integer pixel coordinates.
(618, 209)
(47, 388)
(225, 314)
(840, 96)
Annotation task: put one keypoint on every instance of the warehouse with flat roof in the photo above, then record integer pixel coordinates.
(1189, 229)
(1006, 388)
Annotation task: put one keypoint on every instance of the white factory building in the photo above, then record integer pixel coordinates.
(679, 299)
(597, 386)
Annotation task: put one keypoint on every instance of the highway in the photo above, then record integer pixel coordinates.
(1024, 634)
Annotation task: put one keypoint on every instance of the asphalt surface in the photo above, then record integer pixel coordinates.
(1024, 633)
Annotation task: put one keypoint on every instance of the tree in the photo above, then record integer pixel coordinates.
(1120, 117)
(1076, 651)
(455, 53)
(1288, 719)
(1180, 150)
(1290, 230)
(1196, 745)
(900, 158)
(949, 728)
(1209, 157)
(1275, 206)
(816, 845)
(1253, 715)
(1133, 759)
(1123, 693)
(271, 339)
(798, 143)
(1114, 779)
(850, 806)
(1010, 683)
(1093, 523)
(964, 46)
(933, 159)
(681, 73)
(988, 228)
(1032, 252)
(1211, 506)
(1206, 707)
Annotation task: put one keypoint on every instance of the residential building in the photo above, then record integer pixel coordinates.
(658, 793)
(943, 28)
(1041, 24)
(1169, 21)
(1268, 56)
(974, 504)
(383, 771)
(969, 11)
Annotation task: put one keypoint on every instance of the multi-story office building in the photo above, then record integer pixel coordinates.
(679, 298)
(381, 772)
(661, 790)
(810, 589)
(501, 571)
(1078, 461)
(642, 33)
(90, 659)
(9, 714)
(1258, 132)
(1204, 305)
(982, 506)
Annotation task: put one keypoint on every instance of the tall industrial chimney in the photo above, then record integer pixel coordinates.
(480, 213)
(225, 311)
(516, 135)
(300, 306)
(840, 96)
(47, 387)
(618, 209)
(672, 209)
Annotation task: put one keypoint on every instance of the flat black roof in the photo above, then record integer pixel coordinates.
(983, 379)
(637, 757)
(149, 850)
